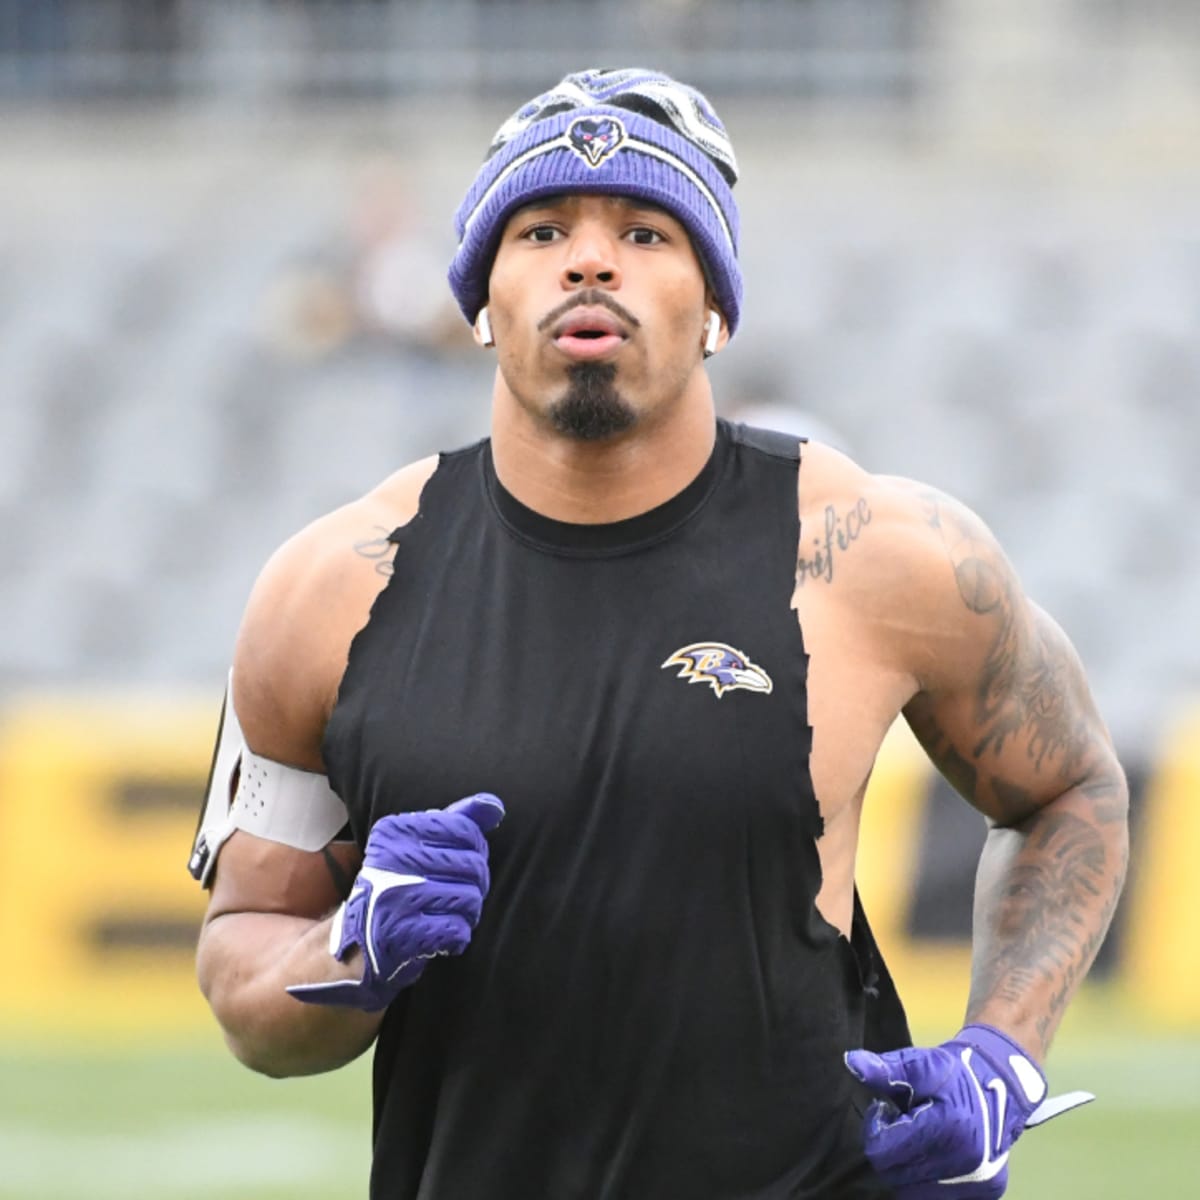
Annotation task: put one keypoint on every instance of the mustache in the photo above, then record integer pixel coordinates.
(589, 296)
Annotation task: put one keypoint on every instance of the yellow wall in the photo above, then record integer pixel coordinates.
(99, 801)
(1162, 962)
(79, 854)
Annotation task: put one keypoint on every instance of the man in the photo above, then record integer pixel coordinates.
(599, 698)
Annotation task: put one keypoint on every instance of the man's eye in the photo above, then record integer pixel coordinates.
(642, 236)
(542, 233)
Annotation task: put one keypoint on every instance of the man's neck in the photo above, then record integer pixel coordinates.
(611, 479)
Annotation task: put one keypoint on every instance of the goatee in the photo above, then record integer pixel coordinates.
(592, 408)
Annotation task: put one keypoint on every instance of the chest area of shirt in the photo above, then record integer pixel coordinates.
(570, 678)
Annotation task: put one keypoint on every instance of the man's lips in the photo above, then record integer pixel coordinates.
(585, 320)
(586, 332)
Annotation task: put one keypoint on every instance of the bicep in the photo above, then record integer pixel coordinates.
(307, 603)
(282, 856)
(1022, 730)
(1004, 709)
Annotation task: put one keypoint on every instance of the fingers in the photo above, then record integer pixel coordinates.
(910, 1133)
(461, 826)
(423, 936)
(429, 898)
(418, 895)
(450, 866)
(484, 809)
(434, 827)
(459, 900)
(880, 1079)
(905, 1077)
(410, 844)
(899, 1144)
(933, 1142)
(428, 875)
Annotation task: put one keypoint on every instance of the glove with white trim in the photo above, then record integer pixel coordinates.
(418, 895)
(947, 1116)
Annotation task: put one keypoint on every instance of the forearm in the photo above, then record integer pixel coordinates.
(1045, 894)
(245, 962)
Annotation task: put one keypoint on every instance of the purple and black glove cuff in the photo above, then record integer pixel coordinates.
(418, 895)
(945, 1117)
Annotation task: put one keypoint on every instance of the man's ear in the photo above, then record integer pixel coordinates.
(716, 332)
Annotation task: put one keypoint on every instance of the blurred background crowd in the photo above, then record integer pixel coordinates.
(971, 241)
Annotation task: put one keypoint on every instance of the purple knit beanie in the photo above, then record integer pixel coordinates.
(628, 133)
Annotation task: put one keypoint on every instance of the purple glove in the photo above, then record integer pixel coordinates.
(419, 894)
(946, 1117)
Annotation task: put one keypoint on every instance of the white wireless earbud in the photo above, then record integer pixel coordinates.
(712, 331)
(483, 326)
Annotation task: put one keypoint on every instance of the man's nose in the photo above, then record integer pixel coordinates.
(591, 261)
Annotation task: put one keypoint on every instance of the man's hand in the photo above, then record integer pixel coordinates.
(946, 1117)
(419, 894)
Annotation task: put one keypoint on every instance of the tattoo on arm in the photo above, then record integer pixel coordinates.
(1041, 920)
(1031, 752)
(1003, 798)
(381, 550)
(1030, 688)
(840, 532)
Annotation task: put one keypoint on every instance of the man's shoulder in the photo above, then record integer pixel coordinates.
(837, 491)
(319, 547)
(339, 553)
(310, 599)
(895, 549)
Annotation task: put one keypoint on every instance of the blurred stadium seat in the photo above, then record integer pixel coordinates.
(208, 336)
(971, 237)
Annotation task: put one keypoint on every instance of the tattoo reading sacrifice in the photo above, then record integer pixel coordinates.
(841, 531)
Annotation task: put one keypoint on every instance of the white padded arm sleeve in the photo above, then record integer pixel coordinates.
(273, 801)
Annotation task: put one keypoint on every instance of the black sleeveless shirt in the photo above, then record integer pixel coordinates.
(651, 1007)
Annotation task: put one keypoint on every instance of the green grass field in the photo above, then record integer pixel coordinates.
(189, 1124)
